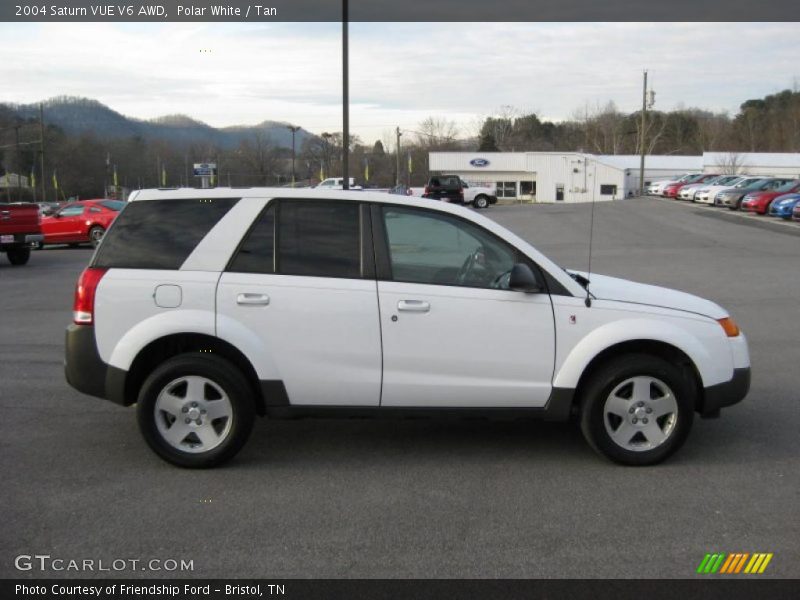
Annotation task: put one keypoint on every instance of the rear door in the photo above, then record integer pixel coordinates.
(300, 292)
(453, 335)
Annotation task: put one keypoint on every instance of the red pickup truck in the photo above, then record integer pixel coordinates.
(20, 228)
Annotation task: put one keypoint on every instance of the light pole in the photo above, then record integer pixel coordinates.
(646, 103)
(345, 102)
(293, 129)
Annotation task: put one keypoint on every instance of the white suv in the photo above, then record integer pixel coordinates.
(206, 308)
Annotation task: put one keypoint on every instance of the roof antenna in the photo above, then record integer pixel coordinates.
(588, 300)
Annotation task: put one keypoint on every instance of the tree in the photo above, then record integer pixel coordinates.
(487, 143)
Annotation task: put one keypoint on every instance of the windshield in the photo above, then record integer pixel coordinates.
(747, 183)
(788, 187)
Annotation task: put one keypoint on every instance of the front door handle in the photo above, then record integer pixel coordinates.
(414, 306)
(252, 299)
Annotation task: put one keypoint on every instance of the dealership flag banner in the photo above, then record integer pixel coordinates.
(410, 166)
(33, 179)
(116, 179)
(164, 177)
(366, 171)
(55, 180)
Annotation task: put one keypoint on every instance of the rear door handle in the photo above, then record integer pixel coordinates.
(252, 299)
(413, 306)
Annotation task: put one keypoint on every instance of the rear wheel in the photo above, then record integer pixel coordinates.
(95, 235)
(18, 256)
(196, 411)
(637, 409)
(480, 202)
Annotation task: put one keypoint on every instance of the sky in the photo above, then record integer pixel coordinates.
(400, 73)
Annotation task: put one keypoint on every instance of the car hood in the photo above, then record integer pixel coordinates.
(603, 287)
(787, 199)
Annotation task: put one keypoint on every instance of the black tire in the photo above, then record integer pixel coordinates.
(221, 373)
(95, 235)
(480, 202)
(607, 379)
(18, 256)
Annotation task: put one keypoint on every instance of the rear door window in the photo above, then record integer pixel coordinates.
(319, 239)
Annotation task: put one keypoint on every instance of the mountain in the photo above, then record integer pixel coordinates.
(83, 115)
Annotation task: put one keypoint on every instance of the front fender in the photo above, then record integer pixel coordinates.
(703, 342)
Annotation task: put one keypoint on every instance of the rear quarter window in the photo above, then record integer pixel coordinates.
(159, 234)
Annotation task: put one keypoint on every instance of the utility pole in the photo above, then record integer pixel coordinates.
(397, 147)
(644, 125)
(294, 130)
(345, 103)
(41, 149)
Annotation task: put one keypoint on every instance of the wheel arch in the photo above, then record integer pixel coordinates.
(164, 348)
(650, 347)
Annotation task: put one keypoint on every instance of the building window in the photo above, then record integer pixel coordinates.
(606, 189)
(527, 188)
(506, 189)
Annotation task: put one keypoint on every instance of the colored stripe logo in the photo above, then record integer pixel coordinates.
(735, 563)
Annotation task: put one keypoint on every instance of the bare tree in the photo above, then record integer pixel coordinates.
(730, 163)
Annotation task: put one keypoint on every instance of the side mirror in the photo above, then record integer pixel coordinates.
(522, 279)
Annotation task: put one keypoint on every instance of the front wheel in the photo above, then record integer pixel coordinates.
(18, 256)
(638, 409)
(196, 411)
(481, 202)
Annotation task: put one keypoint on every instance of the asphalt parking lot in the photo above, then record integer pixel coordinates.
(471, 498)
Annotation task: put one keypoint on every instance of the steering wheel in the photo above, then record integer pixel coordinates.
(466, 269)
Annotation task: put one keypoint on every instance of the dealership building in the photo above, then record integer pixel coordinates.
(559, 176)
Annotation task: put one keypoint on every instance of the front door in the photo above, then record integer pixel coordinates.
(453, 334)
(300, 297)
(67, 225)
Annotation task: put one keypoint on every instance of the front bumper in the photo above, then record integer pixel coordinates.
(725, 394)
(86, 371)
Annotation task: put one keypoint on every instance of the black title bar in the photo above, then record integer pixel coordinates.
(256, 11)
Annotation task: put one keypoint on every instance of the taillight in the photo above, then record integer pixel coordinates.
(83, 307)
(427, 190)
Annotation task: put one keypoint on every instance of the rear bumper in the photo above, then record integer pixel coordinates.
(86, 371)
(727, 393)
(24, 239)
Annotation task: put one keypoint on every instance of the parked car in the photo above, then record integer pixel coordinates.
(206, 307)
(689, 191)
(671, 190)
(84, 221)
(337, 183)
(784, 205)
(20, 228)
(451, 188)
(733, 198)
(656, 188)
(707, 195)
(759, 202)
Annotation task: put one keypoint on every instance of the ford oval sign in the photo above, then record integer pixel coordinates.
(479, 162)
